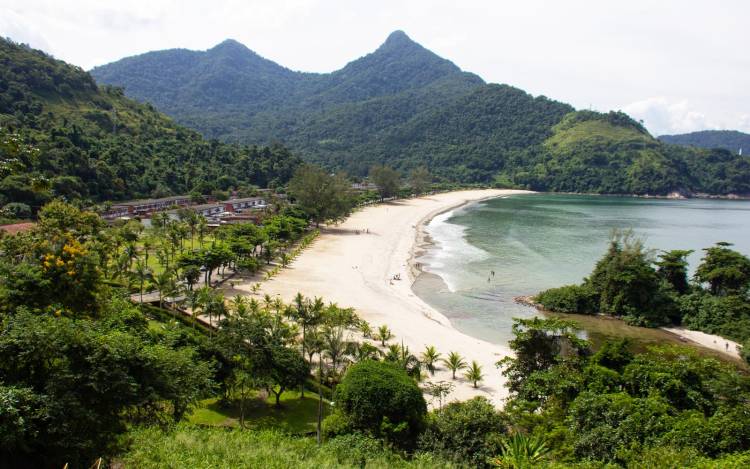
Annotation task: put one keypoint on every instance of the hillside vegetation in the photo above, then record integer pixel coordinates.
(731, 140)
(404, 106)
(95, 144)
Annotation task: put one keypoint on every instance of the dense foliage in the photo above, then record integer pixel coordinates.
(731, 140)
(380, 399)
(629, 283)
(92, 143)
(405, 107)
(467, 432)
(612, 406)
(190, 447)
(80, 365)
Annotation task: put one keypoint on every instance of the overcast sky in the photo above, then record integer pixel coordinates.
(678, 65)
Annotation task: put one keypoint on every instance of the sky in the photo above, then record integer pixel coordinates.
(680, 66)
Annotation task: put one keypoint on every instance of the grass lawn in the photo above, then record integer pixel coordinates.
(295, 415)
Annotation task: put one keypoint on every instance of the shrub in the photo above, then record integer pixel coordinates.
(17, 210)
(579, 299)
(381, 399)
(466, 432)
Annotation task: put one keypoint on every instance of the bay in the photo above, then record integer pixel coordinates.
(532, 242)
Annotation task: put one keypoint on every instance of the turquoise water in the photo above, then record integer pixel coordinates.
(538, 241)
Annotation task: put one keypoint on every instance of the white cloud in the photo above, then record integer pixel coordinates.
(662, 115)
(589, 54)
(18, 28)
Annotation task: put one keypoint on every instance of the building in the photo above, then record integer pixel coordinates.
(146, 206)
(209, 210)
(238, 205)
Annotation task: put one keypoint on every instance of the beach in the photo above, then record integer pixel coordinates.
(353, 264)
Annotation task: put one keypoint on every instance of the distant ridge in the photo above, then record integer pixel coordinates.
(405, 106)
(731, 140)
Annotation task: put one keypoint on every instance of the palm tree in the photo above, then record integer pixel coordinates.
(361, 351)
(306, 314)
(454, 362)
(365, 329)
(202, 228)
(143, 272)
(429, 357)
(192, 223)
(474, 373)
(400, 356)
(165, 284)
(211, 303)
(335, 346)
(131, 252)
(384, 334)
(520, 452)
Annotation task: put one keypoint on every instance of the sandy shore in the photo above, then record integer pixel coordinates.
(709, 341)
(354, 268)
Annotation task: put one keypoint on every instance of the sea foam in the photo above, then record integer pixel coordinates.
(452, 253)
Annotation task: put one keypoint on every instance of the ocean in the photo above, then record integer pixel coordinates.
(486, 253)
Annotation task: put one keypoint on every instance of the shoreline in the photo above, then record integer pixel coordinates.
(422, 240)
(715, 343)
(354, 264)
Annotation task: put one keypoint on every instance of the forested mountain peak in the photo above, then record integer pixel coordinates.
(88, 143)
(405, 106)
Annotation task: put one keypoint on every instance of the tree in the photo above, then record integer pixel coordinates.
(381, 399)
(384, 334)
(365, 329)
(672, 266)
(429, 357)
(419, 180)
(144, 273)
(335, 346)
(455, 362)
(321, 196)
(724, 270)
(165, 284)
(474, 373)
(386, 179)
(439, 390)
(400, 356)
(466, 432)
(288, 369)
(538, 345)
(76, 382)
(211, 304)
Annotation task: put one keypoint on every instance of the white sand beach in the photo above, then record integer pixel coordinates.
(709, 341)
(353, 265)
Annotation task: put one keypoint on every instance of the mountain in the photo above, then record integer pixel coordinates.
(731, 140)
(404, 106)
(91, 143)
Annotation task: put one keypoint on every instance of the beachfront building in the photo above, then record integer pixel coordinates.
(146, 206)
(239, 205)
(208, 210)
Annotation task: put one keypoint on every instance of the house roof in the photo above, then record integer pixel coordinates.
(17, 227)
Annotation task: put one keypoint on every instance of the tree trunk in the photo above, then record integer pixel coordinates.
(302, 387)
(320, 398)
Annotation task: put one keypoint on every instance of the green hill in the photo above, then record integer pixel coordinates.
(404, 106)
(95, 144)
(731, 140)
(611, 153)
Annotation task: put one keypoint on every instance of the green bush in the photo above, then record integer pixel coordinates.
(380, 399)
(571, 299)
(465, 432)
